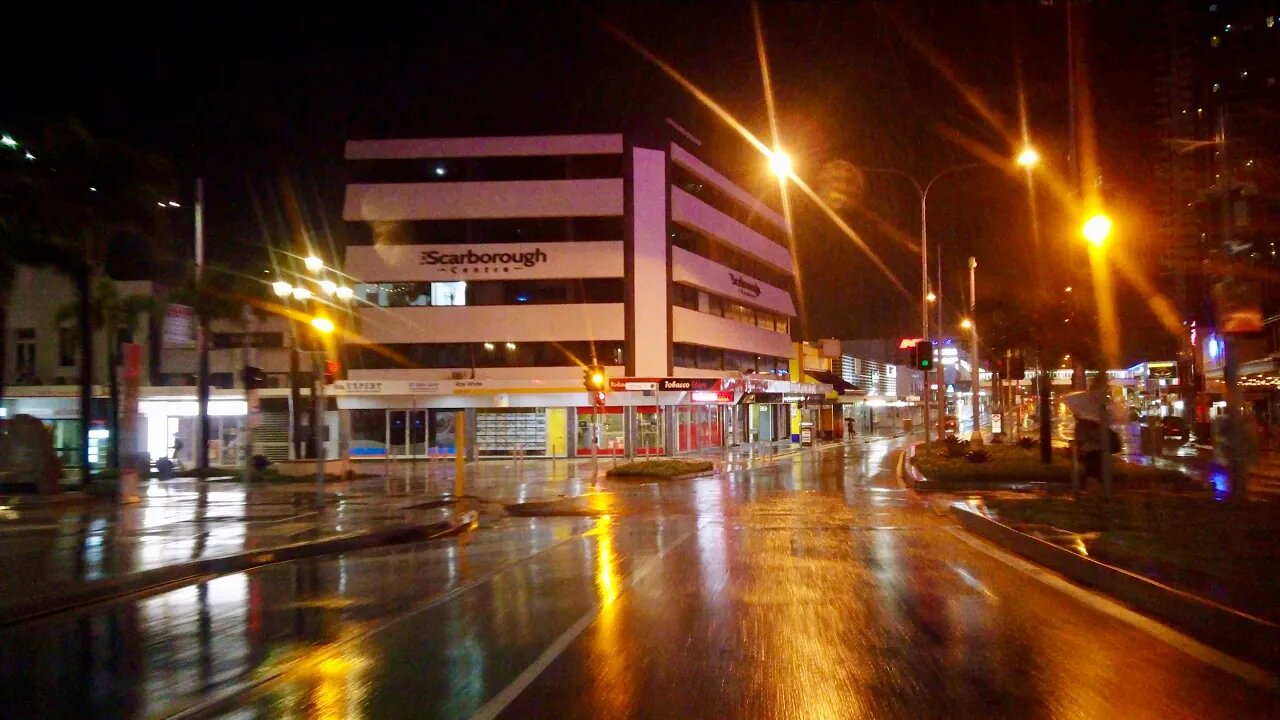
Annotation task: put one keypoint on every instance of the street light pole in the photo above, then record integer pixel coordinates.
(975, 440)
(923, 192)
(924, 292)
(202, 342)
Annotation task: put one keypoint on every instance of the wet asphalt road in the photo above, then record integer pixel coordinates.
(799, 589)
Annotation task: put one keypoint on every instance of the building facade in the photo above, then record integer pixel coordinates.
(492, 270)
(42, 361)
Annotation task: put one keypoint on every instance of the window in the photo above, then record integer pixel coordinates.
(492, 292)
(611, 227)
(729, 256)
(685, 297)
(485, 354)
(1271, 21)
(1217, 87)
(727, 204)
(24, 361)
(1215, 41)
(449, 293)
(67, 346)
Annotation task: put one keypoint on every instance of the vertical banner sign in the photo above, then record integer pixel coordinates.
(179, 327)
(131, 355)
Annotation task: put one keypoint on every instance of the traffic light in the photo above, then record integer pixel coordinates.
(330, 371)
(596, 382)
(1000, 366)
(922, 356)
(1017, 366)
(254, 378)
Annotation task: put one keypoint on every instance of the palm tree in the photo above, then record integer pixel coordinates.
(113, 312)
(68, 200)
(216, 294)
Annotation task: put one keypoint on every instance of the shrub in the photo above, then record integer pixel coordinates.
(977, 456)
(956, 448)
(1026, 443)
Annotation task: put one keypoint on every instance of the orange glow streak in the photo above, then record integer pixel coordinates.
(840, 223)
(771, 108)
(1104, 296)
(1160, 305)
(755, 142)
(1057, 185)
(967, 93)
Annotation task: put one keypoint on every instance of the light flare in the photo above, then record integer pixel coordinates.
(755, 142)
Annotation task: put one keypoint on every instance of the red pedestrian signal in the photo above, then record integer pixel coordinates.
(330, 371)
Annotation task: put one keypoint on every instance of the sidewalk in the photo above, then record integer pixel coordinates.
(70, 547)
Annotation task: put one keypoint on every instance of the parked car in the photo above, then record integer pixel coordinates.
(949, 425)
(1175, 428)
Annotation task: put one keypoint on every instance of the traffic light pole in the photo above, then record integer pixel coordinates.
(317, 393)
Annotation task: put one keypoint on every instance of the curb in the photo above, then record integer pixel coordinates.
(185, 573)
(1216, 625)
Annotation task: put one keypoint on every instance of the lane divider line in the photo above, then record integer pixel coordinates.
(499, 702)
(1248, 672)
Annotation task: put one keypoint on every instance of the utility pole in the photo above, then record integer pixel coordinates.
(202, 346)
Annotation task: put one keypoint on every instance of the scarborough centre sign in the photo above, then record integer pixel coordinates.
(403, 263)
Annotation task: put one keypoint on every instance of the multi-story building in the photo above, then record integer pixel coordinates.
(491, 270)
(1219, 96)
(42, 360)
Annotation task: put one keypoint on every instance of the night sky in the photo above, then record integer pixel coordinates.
(258, 102)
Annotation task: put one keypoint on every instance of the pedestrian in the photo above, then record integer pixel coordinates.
(849, 429)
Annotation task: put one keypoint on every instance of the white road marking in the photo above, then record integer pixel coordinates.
(499, 702)
(1245, 671)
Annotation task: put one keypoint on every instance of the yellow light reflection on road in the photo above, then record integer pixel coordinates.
(606, 577)
(611, 648)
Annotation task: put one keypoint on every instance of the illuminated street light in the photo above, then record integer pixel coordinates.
(29, 156)
(8, 141)
(780, 163)
(1097, 229)
(931, 297)
(301, 293)
(329, 287)
(314, 264)
(966, 323)
(323, 324)
(282, 288)
(1028, 158)
(344, 293)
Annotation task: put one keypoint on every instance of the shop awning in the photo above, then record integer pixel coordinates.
(835, 381)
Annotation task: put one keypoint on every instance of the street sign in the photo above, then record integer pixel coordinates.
(633, 384)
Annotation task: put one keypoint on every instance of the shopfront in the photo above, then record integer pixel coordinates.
(401, 433)
(699, 427)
